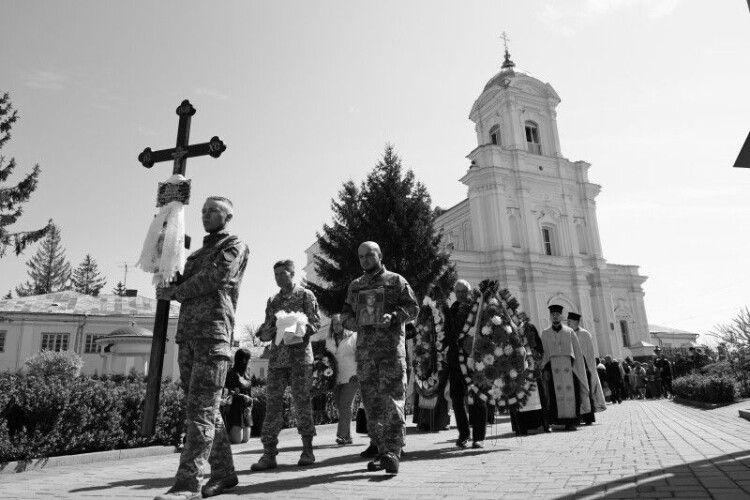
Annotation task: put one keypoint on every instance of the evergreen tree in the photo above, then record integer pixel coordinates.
(86, 277)
(119, 289)
(393, 209)
(49, 270)
(13, 197)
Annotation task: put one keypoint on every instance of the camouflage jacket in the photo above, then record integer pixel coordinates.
(209, 287)
(298, 300)
(392, 295)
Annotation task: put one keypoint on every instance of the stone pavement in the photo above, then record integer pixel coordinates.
(639, 449)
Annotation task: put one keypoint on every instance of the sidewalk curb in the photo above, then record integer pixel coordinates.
(745, 414)
(83, 458)
(700, 404)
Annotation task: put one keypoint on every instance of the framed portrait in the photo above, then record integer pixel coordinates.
(370, 304)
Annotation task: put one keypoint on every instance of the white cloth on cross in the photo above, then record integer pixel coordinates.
(163, 252)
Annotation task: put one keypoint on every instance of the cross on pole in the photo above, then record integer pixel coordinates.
(179, 154)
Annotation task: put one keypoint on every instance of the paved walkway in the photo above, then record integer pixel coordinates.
(651, 449)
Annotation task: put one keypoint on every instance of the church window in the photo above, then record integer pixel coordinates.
(625, 332)
(55, 341)
(548, 240)
(532, 138)
(91, 347)
(262, 373)
(495, 135)
(2, 340)
(582, 247)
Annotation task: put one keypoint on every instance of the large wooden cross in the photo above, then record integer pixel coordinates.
(179, 154)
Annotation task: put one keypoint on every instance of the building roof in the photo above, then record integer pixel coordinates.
(131, 331)
(70, 302)
(653, 329)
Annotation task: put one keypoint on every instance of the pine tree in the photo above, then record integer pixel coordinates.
(49, 270)
(12, 198)
(86, 277)
(393, 209)
(119, 289)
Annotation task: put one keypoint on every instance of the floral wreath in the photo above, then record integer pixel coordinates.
(494, 359)
(429, 360)
(323, 372)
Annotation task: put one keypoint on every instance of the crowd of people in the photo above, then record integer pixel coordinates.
(629, 379)
(368, 340)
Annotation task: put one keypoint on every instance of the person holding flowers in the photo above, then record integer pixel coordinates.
(460, 316)
(342, 344)
(291, 318)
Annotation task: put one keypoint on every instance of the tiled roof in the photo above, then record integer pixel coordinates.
(70, 302)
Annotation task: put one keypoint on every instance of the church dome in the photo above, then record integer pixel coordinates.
(131, 331)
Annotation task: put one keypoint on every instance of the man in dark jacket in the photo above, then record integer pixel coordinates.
(614, 379)
(208, 291)
(665, 370)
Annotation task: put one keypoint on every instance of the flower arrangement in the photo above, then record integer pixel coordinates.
(323, 372)
(494, 360)
(429, 348)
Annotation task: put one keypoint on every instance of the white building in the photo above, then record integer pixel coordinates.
(529, 219)
(111, 333)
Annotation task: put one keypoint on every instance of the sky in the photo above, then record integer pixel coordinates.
(307, 94)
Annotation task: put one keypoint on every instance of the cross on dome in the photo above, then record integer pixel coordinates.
(507, 63)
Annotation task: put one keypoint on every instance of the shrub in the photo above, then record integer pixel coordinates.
(86, 414)
(705, 388)
(47, 364)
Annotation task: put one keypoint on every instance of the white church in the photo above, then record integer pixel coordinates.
(529, 219)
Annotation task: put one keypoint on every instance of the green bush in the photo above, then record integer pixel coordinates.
(64, 364)
(705, 388)
(84, 415)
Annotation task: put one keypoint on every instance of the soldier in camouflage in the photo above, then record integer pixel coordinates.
(208, 291)
(290, 364)
(381, 353)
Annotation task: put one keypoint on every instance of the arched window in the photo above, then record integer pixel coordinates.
(548, 240)
(532, 138)
(495, 135)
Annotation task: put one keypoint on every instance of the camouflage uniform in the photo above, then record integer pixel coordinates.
(208, 291)
(289, 365)
(381, 356)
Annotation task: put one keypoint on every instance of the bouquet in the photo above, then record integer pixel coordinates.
(323, 372)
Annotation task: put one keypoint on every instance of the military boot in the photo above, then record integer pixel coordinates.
(266, 462)
(307, 457)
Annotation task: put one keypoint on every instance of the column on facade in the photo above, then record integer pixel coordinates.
(602, 311)
(552, 117)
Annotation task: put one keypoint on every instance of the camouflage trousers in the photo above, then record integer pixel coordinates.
(203, 370)
(382, 383)
(299, 377)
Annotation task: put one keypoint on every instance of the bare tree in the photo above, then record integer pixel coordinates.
(736, 333)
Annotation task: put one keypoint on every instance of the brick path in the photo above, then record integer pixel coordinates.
(652, 449)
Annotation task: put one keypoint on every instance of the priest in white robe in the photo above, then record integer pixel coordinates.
(596, 394)
(564, 373)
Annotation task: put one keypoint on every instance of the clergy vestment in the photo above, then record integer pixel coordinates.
(564, 372)
(596, 394)
(534, 413)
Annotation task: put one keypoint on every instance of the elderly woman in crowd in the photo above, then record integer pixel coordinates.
(342, 344)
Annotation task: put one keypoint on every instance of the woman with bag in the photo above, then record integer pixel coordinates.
(342, 344)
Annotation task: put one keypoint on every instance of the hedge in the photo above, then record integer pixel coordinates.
(706, 388)
(85, 414)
